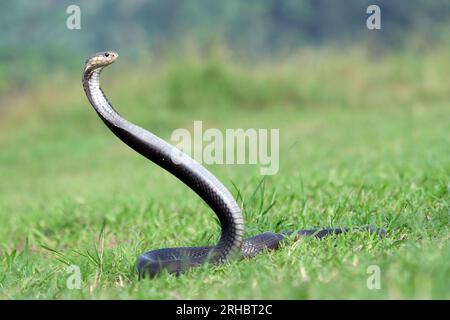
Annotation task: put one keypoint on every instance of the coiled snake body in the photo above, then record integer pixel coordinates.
(195, 176)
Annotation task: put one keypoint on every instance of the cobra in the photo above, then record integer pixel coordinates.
(232, 243)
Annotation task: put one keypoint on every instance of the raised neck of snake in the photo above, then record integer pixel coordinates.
(191, 173)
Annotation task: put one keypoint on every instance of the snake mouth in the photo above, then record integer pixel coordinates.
(113, 56)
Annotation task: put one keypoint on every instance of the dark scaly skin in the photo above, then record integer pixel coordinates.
(196, 177)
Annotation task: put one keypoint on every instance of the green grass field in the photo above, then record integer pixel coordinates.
(361, 142)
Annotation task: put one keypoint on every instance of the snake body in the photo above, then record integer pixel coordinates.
(196, 177)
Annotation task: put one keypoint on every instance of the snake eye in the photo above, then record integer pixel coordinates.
(106, 54)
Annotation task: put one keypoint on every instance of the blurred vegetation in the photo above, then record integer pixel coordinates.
(34, 40)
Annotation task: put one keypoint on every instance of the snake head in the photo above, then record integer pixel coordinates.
(99, 61)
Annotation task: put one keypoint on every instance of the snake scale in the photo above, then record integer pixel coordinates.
(196, 177)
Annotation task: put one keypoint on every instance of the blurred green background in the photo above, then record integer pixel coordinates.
(36, 43)
(364, 117)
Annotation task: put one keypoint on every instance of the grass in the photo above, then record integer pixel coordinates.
(361, 141)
